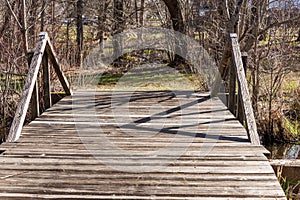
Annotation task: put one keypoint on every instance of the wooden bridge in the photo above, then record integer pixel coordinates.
(189, 147)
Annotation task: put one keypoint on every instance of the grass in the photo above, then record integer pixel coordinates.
(291, 81)
(150, 81)
(292, 128)
(289, 84)
(289, 186)
(16, 84)
(72, 33)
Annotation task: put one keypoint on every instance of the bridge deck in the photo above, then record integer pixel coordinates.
(157, 146)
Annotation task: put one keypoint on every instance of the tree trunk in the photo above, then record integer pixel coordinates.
(43, 15)
(232, 27)
(118, 16)
(103, 5)
(32, 24)
(136, 12)
(176, 15)
(118, 26)
(79, 33)
(142, 13)
(178, 25)
(7, 19)
(24, 26)
(53, 20)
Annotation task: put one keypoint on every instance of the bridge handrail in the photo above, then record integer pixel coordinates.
(243, 107)
(43, 53)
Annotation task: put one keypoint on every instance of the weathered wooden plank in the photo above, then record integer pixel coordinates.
(83, 152)
(152, 124)
(141, 182)
(183, 124)
(16, 127)
(240, 111)
(4, 174)
(209, 157)
(121, 197)
(221, 140)
(242, 81)
(145, 161)
(77, 140)
(193, 155)
(179, 191)
(183, 157)
(113, 135)
(225, 115)
(251, 169)
(109, 129)
(286, 163)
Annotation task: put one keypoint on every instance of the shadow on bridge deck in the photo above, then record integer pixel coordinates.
(141, 145)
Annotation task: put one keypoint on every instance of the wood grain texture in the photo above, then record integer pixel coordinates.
(31, 88)
(55, 160)
(244, 91)
(16, 127)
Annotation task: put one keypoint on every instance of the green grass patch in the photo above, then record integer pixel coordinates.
(16, 84)
(289, 86)
(292, 128)
(109, 79)
(148, 81)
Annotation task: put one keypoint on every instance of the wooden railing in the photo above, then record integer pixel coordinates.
(43, 53)
(239, 102)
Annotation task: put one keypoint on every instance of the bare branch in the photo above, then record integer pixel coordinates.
(277, 24)
(13, 13)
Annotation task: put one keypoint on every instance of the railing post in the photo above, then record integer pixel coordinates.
(244, 91)
(43, 52)
(232, 89)
(30, 83)
(240, 113)
(35, 102)
(46, 80)
(245, 60)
